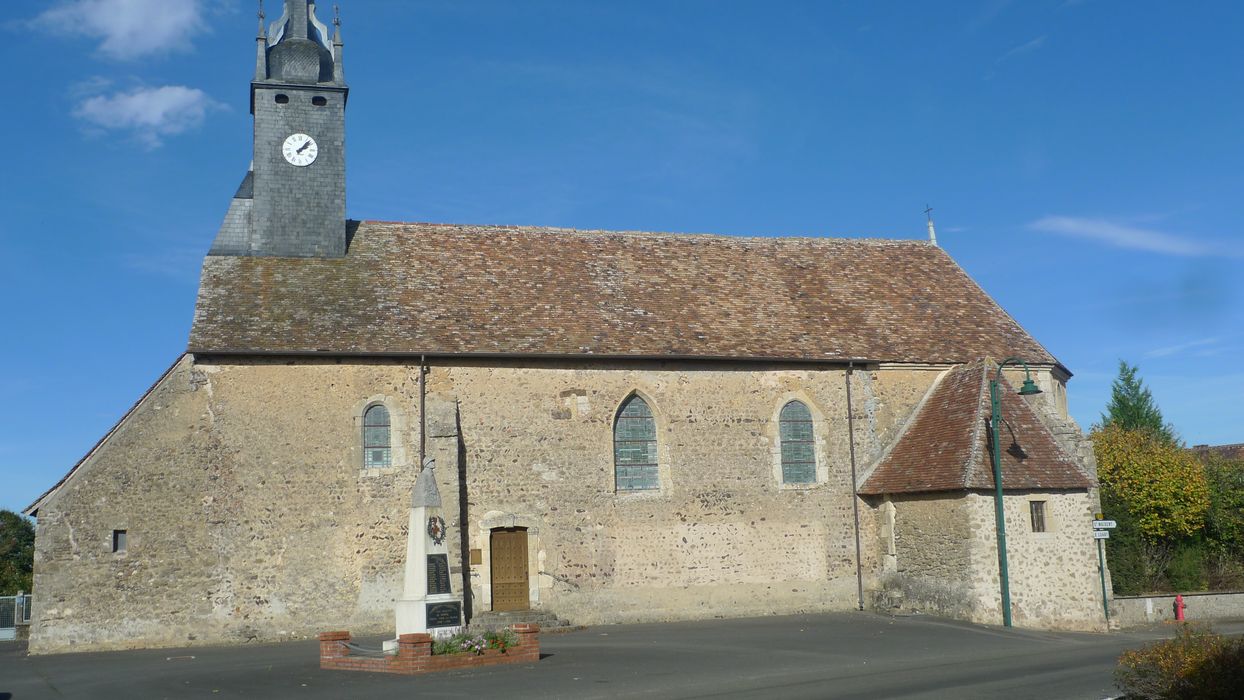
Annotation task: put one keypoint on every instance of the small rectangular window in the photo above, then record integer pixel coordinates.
(118, 541)
(1037, 510)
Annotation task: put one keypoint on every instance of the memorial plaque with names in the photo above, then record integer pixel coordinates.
(444, 614)
(438, 574)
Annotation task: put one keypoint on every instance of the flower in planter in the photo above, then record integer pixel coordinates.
(475, 644)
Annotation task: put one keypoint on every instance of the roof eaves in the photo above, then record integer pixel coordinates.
(859, 362)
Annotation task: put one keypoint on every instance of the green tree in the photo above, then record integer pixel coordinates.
(17, 553)
(1132, 407)
(1159, 494)
(1224, 522)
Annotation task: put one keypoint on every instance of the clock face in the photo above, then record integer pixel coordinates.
(300, 150)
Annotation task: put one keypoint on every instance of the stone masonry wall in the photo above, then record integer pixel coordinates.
(721, 537)
(947, 560)
(932, 547)
(1044, 591)
(250, 516)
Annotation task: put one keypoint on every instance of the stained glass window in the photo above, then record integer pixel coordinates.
(635, 447)
(798, 445)
(376, 449)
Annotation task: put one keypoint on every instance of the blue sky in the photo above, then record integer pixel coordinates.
(1083, 160)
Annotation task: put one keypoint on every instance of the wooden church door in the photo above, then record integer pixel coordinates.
(509, 569)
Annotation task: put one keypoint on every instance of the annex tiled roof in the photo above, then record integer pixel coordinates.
(447, 289)
(947, 446)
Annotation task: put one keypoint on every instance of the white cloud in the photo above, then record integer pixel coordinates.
(94, 85)
(1182, 347)
(1125, 236)
(148, 113)
(1027, 47)
(128, 28)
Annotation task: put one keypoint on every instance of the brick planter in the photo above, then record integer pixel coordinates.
(414, 654)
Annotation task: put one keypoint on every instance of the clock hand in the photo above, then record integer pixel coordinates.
(303, 147)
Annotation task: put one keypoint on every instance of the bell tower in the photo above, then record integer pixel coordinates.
(293, 201)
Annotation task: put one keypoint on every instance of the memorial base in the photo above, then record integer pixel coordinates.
(414, 654)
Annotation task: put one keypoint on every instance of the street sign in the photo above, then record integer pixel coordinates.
(1104, 524)
(1101, 534)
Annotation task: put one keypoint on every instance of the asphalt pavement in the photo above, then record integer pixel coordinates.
(842, 655)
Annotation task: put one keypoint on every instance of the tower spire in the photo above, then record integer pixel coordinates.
(296, 10)
(261, 47)
(301, 49)
(339, 71)
(928, 211)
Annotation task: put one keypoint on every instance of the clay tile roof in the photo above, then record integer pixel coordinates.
(449, 289)
(946, 445)
(1235, 452)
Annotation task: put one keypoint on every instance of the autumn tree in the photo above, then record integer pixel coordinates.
(1132, 406)
(1158, 492)
(17, 553)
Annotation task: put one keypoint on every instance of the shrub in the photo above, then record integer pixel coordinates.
(1195, 664)
(1186, 571)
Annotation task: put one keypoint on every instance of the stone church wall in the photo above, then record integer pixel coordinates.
(250, 516)
(721, 537)
(932, 544)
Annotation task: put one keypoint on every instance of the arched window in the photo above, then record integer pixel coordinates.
(798, 446)
(376, 449)
(635, 447)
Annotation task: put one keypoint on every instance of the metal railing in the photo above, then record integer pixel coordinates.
(14, 611)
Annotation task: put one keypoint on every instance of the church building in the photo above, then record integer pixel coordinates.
(626, 426)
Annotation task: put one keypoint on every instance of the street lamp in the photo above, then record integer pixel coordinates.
(995, 402)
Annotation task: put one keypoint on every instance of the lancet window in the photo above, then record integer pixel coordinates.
(635, 447)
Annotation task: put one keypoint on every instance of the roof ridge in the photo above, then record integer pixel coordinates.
(969, 471)
(560, 230)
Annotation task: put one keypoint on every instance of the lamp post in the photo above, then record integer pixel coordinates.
(995, 402)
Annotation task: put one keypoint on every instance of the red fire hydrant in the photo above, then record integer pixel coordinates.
(1179, 607)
